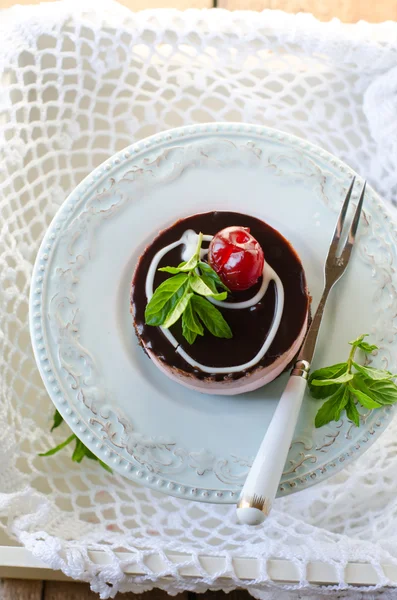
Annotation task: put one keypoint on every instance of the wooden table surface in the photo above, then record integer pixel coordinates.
(349, 11)
(16, 589)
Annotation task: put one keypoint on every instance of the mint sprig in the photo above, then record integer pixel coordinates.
(347, 384)
(186, 295)
(80, 450)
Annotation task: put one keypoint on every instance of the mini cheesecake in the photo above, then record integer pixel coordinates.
(223, 362)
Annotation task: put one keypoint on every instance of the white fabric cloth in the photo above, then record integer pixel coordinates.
(80, 81)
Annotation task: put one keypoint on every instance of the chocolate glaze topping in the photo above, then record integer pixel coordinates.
(249, 326)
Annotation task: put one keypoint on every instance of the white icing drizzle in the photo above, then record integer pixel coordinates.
(189, 240)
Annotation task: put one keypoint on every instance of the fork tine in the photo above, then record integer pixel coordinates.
(347, 250)
(339, 225)
(357, 215)
(342, 216)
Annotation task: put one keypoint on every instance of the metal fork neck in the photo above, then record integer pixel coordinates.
(301, 369)
(309, 345)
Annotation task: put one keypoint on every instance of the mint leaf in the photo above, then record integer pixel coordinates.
(208, 272)
(359, 343)
(191, 326)
(79, 451)
(173, 270)
(329, 372)
(82, 451)
(178, 309)
(352, 412)
(383, 391)
(201, 288)
(364, 399)
(173, 297)
(332, 408)
(210, 283)
(344, 397)
(367, 348)
(165, 298)
(372, 373)
(211, 317)
(192, 262)
(344, 378)
(326, 413)
(190, 265)
(188, 334)
(360, 383)
(103, 465)
(57, 420)
(92, 456)
(59, 447)
(371, 387)
(321, 392)
(358, 340)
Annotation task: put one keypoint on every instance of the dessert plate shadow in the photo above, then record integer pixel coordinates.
(135, 419)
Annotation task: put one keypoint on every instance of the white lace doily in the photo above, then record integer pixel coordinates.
(81, 81)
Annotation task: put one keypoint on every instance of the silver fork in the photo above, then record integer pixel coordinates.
(261, 485)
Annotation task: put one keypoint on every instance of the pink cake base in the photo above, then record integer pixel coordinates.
(254, 379)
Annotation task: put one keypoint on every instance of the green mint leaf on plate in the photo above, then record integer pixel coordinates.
(165, 298)
(59, 447)
(332, 408)
(372, 373)
(367, 348)
(364, 399)
(211, 317)
(352, 413)
(335, 381)
(383, 391)
(57, 420)
(360, 343)
(207, 272)
(331, 372)
(177, 309)
(200, 287)
(191, 326)
(349, 383)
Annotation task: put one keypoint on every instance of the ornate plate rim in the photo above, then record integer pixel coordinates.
(100, 446)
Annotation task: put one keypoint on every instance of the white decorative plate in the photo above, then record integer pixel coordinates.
(134, 418)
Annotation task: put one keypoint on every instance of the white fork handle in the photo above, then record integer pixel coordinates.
(261, 485)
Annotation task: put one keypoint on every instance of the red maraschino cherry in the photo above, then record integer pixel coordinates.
(237, 257)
